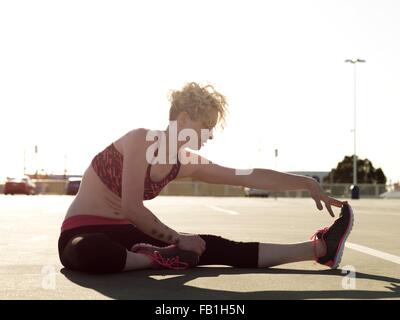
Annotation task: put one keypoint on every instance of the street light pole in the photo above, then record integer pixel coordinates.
(354, 62)
(37, 161)
(276, 167)
(24, 161)
(65, 166)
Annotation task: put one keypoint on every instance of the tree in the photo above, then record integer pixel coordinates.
(366, 173)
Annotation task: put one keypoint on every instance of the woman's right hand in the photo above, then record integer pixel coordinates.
(191, 242)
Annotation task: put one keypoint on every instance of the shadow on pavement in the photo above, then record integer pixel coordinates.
(141, 285)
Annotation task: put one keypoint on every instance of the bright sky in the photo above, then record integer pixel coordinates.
(76, 75)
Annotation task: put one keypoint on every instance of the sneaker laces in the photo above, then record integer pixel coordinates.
(314, 239)
(170, 263)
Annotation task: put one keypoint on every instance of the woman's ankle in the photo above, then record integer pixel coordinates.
(320, 248)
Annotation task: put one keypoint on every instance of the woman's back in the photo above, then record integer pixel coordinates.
(93, 197)
(100, 190)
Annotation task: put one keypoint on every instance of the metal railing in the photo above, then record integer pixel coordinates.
(198, 188)
(342, 190)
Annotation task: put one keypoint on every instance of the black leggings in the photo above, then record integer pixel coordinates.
(103, 248)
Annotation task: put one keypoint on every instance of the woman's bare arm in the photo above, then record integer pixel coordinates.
(133, 175)
(267, 179)
(204, 170)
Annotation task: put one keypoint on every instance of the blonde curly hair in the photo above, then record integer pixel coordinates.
(198, 101)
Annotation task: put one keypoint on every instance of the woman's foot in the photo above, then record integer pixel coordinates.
(170, 257)
(334, 238)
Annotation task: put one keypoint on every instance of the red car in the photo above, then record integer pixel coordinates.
(22, 185)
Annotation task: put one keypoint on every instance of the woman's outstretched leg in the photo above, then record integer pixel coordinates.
(276, 254)
(326, 248)
(257, 255)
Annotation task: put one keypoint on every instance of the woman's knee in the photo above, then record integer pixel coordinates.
(80, 251)
(94, 253)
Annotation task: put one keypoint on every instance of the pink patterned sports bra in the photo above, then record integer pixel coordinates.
(108, 166)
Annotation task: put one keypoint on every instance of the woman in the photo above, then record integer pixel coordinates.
(108, 228)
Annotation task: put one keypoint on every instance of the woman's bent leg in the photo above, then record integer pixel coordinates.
(136, 261)
(97, 253)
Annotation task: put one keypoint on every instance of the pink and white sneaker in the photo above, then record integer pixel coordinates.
(335, 237)
(169, 257)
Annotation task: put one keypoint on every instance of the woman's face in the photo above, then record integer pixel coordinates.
(203, 127)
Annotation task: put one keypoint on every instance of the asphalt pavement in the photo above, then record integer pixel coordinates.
(370, 268)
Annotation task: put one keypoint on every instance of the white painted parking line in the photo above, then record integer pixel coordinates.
(189, 201)
(36, 238)
(222, 210)
(373, 252)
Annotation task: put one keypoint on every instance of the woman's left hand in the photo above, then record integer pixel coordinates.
(318, 195)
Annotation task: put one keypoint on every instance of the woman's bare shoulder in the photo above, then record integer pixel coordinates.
(134, 136)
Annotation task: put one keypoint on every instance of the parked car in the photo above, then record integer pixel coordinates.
(72, 186)
(252, 192)
(22, 185)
